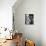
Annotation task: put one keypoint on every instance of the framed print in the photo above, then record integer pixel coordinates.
(29, 19)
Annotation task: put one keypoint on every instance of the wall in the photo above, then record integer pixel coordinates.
(6, 13)
(43, 22)
(29, 31)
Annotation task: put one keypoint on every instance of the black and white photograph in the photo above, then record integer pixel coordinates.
(29, 19)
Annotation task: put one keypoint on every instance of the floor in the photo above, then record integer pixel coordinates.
(9, 43)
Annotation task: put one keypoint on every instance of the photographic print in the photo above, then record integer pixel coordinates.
(29, 19)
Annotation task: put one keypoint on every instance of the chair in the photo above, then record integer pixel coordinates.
(29, 43)
(18, 39)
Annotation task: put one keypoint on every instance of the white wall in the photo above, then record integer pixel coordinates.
(6, 13)
(29, 31)
(43, 22)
